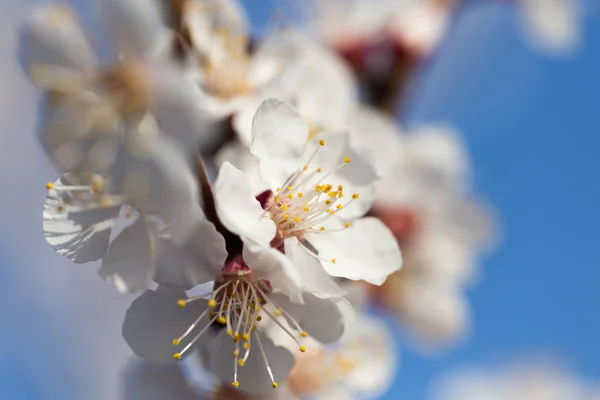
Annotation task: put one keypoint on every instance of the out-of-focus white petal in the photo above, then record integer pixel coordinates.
(133, 25)
(253, 377)
(147, 381)
(129, 262)
(80, 235)
(154, 319)
(278, 139)
(198, 260)
(320, 318)
(240, 157)
(366, 250)
(271, 264)
(314, 278)
(238, 209)
(52, 37)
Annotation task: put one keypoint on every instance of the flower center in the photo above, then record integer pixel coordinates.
(238, 303)
(306, 200)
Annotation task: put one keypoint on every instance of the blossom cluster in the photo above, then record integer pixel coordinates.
(255, 192)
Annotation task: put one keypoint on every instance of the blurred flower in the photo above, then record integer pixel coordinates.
(95, 114)
(305, 215)
(527, 380)
(361, 365)
(554, 26)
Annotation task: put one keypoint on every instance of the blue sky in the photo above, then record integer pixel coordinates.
(532, 124)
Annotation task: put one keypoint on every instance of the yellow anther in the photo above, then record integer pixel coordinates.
(212, 303)
(340, 187)
(176, 342)
(221, 320)
(303, 349)
(278, 189)
(276, 199)
(304, 334)
(346, 160)
(236, 353)
(254, 328)
(321, 142)
(245, 336)
(236, 337)
(177, 356)
(322, 228)
(319, 170)
(235, 384)
(331, 212)
(246, 346)
(49, 185)
(306, 209)
(339, 206)
(229, 332)
(328, 187)
(333, 260)
(290, 196)
(332, 194)
(355, 196)
(346, 224)
(97, 186)
(328, 202)
(181, 303)
(275, 385)
(211, 314)
(283, 207)
(289, 188)
(277, 312)
(241, 362)
(300, 194)
(259, 318)
(305, 168)
(286, 217)
(296, 219)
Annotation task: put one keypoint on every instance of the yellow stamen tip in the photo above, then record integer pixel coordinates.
(181, 303)
(333, 260)
(236, 353)
(221, 320)
(278, 189)
(346, 224)
(290, 196)
(229, 332)
(321, 142)
(346, 160)
(245, 336)
(289, 188)
(49, 185)
(283, 207)
(246, 346)
(305, 168)
(277, 312)
(177, 356)
(254, 328)
(296, 219)
(322, 228)
(339, 206)
(303, 349)
(275, 385)
(304, 334)
(300, 194)
(212, 303)
(306, 209)
(319, 170)
(241, 362)
(235, 384)
(176, 342)
(355, 196)
(340, 187)
(259, 318)
(286, 217)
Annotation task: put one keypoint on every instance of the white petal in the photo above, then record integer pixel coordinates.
(273, 265)
(314, 278)
(80, 236)
(253, 377)
(147, 381)
(278, 139)
(198, 260)
(52, 37)
(129, 262)
(320, 318)
(238, 209)
(133, 25)
(367, 250)
(154, 319)
(241, 158)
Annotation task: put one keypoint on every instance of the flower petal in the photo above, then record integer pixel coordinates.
(253, 376)
(320, 318)
(147, 381)
(367, 250)
(274, 266)
(53, 45)
(129, 263)
(278, 139)
(314, 278)
(82, 236)
(198, 260)
(238, 209)
(154, 319)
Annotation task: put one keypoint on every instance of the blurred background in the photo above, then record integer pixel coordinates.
(531, 122)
